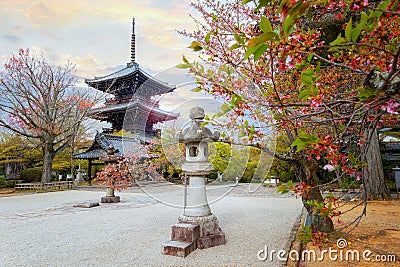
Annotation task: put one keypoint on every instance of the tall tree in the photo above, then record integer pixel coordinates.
(39, 101)
(324, 91)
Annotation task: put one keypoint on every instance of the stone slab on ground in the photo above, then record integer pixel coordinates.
(86, 205)
(135, 230)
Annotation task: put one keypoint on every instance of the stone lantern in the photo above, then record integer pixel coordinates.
(79, 176)
(110, 159)
(197, 227)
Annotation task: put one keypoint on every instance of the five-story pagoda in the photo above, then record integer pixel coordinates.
(131, 108)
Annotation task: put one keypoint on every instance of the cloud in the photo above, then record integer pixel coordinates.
(39, 14)
(97, 35)
(11, 38)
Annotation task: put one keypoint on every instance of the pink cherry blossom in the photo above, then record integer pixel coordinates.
(390, 107)
(329, 167)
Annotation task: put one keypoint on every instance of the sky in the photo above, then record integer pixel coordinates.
(95, 35)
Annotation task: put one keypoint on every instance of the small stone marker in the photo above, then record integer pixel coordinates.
(86, 205)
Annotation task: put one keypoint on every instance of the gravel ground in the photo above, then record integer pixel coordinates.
(46, 230)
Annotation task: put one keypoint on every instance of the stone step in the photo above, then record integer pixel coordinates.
(185, 232)
(179, 249)
(211, 241)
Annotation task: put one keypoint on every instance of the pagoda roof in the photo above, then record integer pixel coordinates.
(131, 72)
(103, 141)
(136, 104)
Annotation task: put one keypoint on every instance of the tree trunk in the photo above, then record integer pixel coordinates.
(72, 159)
(49, 155)
(374, 186)
(308, 174)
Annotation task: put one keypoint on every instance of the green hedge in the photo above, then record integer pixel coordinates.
(32, 175)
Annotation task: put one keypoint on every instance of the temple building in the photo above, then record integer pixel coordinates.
(131, 107)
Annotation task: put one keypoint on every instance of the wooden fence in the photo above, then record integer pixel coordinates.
(41, 186)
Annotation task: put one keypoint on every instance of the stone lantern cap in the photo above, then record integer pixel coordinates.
(196, 132)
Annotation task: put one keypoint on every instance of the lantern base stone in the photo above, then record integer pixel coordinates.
(178, 248)
(194, 232)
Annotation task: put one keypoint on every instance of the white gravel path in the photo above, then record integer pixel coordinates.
(45, 230)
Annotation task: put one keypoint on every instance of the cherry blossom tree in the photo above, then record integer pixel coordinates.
(39, 101)
(146, 163)
(327, 70)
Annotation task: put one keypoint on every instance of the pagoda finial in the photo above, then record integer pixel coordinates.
(133, 41)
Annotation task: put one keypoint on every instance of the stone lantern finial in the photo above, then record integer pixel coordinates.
(197, 113)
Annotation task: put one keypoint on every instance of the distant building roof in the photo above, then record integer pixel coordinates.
(390, 147)
(102, 142)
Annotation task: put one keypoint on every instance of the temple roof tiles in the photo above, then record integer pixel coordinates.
(102, 141)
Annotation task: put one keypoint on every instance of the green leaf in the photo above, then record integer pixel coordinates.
(267, 36)
(306, 77)
(196, 46)
(234, 46)
(246, 1)
(288, 25)
(310, 56)
(207, 38)
(308, 72)
(184, 59)
(251, 50)
(306, 80)
(305, 94)
(183, 66)
(261, 39)
(299, 144)
(318, 68)
(351, 157)
(225, 108)
(197, 89)
(265, 25)
(252, 42)
(348, 30)
(235, 99)
(262, 3)
(204, 123)
(366, 93)
(382, 6)
(282, 189)
(360, 26)
(338, 40)
(237, 38)
(260, 51)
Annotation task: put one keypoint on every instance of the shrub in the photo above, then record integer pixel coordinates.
(32, 175)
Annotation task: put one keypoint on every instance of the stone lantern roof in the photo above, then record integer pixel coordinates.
(196, 132)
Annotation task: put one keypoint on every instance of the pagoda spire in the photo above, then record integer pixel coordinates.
(133, 48)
